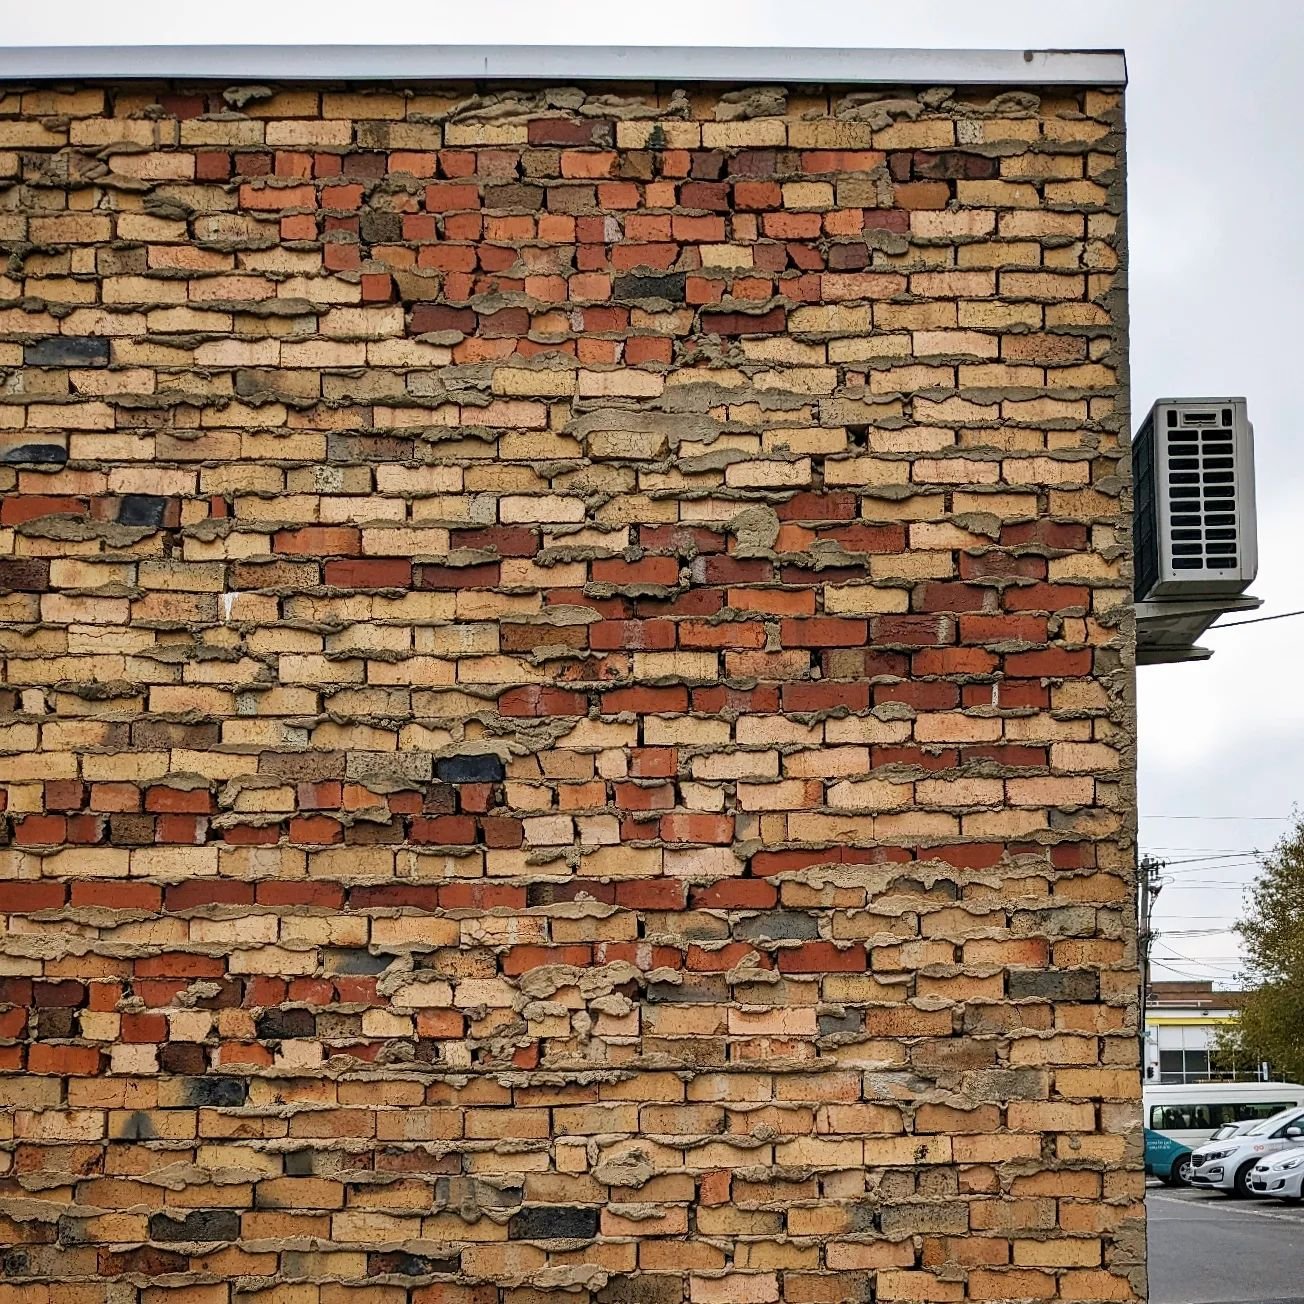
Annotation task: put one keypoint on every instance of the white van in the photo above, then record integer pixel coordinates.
(1190, 1113)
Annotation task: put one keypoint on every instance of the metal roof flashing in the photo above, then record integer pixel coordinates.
(565, 63)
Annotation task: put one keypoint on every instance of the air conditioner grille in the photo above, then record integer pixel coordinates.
(1202, 489)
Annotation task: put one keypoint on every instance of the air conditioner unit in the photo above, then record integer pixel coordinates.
(1194, 522)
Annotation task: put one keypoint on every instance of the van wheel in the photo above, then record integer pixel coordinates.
(1180, 1173)
(1241, 1185)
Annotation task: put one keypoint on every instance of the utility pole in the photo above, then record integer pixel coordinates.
(1148, 887)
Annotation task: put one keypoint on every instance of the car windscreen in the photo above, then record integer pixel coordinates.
(1273, 1123)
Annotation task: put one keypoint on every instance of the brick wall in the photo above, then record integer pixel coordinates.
(567, 698)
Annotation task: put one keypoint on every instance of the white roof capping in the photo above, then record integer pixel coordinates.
(566, 64)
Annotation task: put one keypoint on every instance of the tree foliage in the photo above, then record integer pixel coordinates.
(1271, 1022)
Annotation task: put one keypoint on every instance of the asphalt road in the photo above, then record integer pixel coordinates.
(1207, 1249)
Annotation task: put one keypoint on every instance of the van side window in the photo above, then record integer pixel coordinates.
(1207, 1117)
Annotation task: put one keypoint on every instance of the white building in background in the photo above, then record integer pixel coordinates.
(1182, 1022)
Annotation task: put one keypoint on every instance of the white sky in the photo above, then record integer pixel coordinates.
(1216, 187)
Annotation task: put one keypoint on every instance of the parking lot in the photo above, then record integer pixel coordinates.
(1208, 1249)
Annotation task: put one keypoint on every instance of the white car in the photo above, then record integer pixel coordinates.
(1280, 1176)
(1226, 1165)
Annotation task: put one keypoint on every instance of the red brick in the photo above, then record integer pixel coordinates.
(952, 597)
(486, 575)
(17, 508)
(327, 895)
(273, 197)
(179, 801)
(26, 897)
(319, 829)
(825, 696)
(635, 635)
(647, 570)
(372, 573)
(823, 631)
(443, 829)
(502, 832)
(1000, 629)
(923, 695)
(745, 323)
(720, 959)
(684, 827)
(1001, 565)
(65, 1061)
(446, 196)
(742, 634)
(144, 1028)
(481, 896)
(106, 894)
(652, 894)
(521, 959)
(653, 762)
(735, 894)
(40, 830)
(1046, 597)
(64, 794)
(319, 540)
(178, 964)
(1049, 662)
(953, 661)
(634, 796)
(822, 957)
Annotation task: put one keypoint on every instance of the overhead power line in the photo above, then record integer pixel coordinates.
(1217, 817)
(1258, 620)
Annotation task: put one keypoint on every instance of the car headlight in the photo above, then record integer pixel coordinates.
(1214, 1154)
(1293, 1163)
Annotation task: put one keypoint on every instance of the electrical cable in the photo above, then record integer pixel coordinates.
(1217, 817)
(1258, 620)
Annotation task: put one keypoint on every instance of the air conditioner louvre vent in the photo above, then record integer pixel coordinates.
(1194, 521)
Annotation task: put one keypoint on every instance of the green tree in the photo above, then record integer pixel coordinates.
(1271, 1022)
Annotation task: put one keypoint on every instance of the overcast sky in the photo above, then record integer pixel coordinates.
(1217, 280)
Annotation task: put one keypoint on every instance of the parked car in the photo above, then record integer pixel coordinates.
(1226, 1165)
(1280, 1176)
(1191, 1113)
(1169, 1161)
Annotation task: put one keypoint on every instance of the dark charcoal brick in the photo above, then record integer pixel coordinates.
(646, 1288)
(275, 1025)
(142, 509)
(218, 1093)
(201, 1225)
(408, 1265)
(627, 289)
(146, 1261)
(182, 1059)
(381, 228)
(782, 925)
(1063, 985)
(24, 574)
(483, 767)
(835, 1023)
(300, 1163)
(51, 1025)
(545, 1223)
(68, 351)
(48, 454)
(468, 1191)
(355, 962)
(692, 991)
